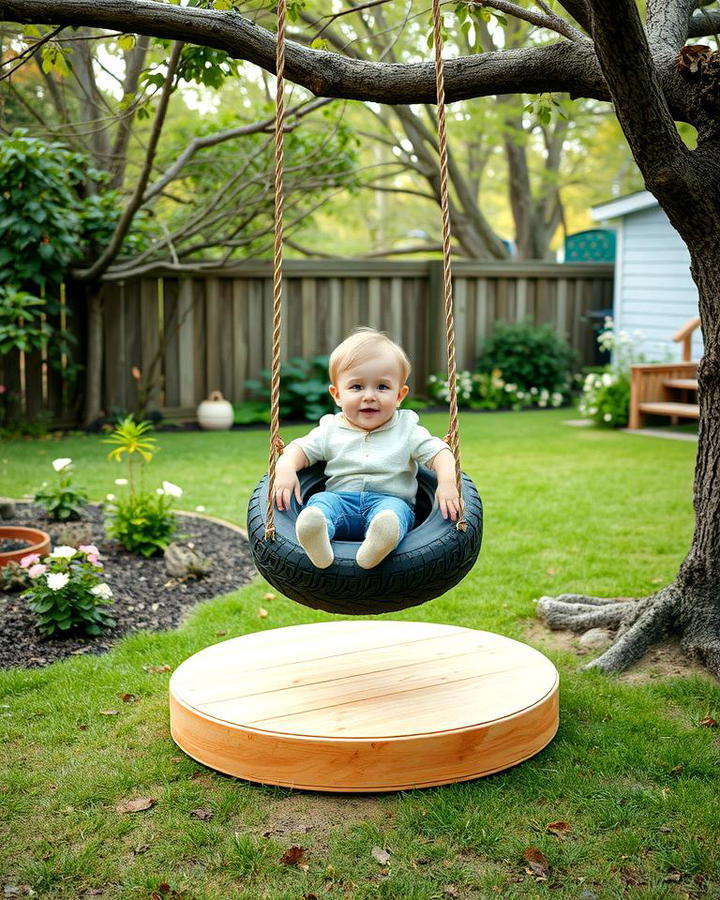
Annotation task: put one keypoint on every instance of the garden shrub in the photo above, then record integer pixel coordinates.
(488, 390)
(606, 398)
(303, 390)
(62, 501)
(141, 520)
(68, 591)
(528, 356)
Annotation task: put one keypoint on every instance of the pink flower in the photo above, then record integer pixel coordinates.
(3, 389)
(89, 549)
(92, 558)
(29, 559)
(36, 570)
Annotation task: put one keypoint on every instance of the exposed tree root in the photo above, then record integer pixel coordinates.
(640, 623)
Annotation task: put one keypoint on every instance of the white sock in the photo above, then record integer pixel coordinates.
(382, 537)
(312, 534)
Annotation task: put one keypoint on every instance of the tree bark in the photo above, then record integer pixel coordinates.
(93, 379)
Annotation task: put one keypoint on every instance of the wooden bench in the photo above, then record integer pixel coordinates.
(666, 389)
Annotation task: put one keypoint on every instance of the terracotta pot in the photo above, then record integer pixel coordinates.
(39, 542)
(215, 413)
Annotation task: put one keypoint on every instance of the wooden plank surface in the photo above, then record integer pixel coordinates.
(364, 705)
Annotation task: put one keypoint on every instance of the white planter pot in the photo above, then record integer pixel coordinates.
(215, 413)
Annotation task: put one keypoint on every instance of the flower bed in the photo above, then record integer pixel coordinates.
(145, 596)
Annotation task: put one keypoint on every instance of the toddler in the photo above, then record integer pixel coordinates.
(371, 450)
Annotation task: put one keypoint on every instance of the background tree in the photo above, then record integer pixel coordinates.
(202, 190)
(652, 79)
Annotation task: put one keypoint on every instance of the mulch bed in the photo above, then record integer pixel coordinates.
(145, 596)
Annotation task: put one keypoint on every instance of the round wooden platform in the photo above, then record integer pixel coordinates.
(364, 705)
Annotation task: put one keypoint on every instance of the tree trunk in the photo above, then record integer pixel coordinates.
(690, 606)
(93, 371)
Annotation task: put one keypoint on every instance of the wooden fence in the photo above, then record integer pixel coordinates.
(210, 330)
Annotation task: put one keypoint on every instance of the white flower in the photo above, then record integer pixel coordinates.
(521, 395)
(159, 491)
(110, 497)
(607, 379)
(607, 417)
(199, 509)
(57, 580)
(533, 391)
(62, 463)
(102, 590)
(172, 489)
(121, 481)
(63, 552)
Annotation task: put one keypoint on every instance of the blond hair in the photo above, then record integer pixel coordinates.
(360, 345)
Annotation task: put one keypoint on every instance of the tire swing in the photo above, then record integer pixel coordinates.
(433, 557)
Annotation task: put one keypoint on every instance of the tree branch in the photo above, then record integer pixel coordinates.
(567, 66)
(641, 108)
(123, 225)
(578, 9)
(667, 23)
(703, 23)
(541, 20)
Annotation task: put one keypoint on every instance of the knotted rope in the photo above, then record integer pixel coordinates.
(453, 435)
(276, 444)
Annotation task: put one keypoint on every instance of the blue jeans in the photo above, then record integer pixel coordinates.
(349, 513)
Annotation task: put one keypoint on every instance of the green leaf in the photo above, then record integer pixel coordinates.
(127, 41)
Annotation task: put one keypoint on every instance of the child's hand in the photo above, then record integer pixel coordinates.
(285, 485)
(449, 501)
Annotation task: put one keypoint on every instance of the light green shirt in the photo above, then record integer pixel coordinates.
(384, 460)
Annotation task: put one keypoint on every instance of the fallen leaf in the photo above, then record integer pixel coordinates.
(262, 613)
(673, 875)
(83, 727)
(450, 890)
(128, 698)
(143, 848)
(707, 722)
(294, 856)
(310, 897)
(109, 712)
(137, 805)
(18, 890)
(632, 876)
(656, 580)
(665, 829)
(551, 571)
(677, 770)
(269, 596)
(220, 633)
(538, 864)
(202, 814)
(155, 669)
(381, 856)
(559, 829)
(94, 892)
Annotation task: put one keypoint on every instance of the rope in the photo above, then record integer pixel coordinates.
(276, 444)
(453, 436)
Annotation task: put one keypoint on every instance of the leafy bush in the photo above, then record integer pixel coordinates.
(62, 501)
(606, 392)
(141, 520)
(68, 591)
(303, 389)
(606, 398)
(13, 577)
(529, 356)
(488, 390)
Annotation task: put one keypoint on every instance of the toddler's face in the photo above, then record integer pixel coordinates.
(370, 391)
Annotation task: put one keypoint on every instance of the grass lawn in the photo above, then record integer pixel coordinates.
(631, 770)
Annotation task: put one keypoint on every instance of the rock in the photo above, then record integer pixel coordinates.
(596, 638)
(72, 534)
(182, 560)
(7, 509)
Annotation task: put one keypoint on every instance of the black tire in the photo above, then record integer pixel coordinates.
(432, 558)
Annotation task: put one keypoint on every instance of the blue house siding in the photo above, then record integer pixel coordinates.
(654, 291)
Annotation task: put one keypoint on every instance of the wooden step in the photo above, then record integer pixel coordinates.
(683, 410)
(684, 384)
